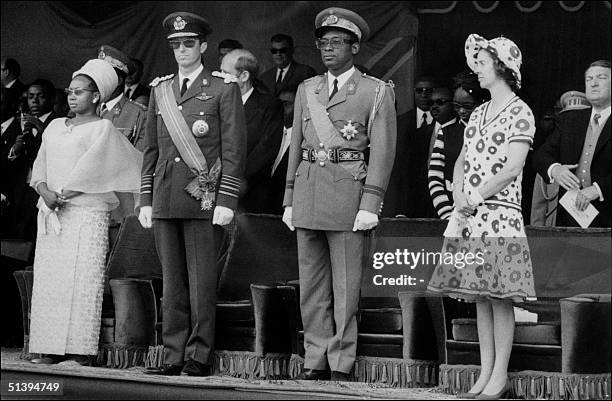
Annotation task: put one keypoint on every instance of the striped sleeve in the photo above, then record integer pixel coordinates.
(437, 188)
(229, 187)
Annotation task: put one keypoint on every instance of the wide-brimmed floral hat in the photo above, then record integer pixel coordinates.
(503, 48)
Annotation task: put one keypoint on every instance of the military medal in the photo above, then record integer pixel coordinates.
(200, 128)
(205, 82)
(204, 97)
(349, 131)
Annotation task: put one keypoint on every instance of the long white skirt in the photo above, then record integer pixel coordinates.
(69, 283)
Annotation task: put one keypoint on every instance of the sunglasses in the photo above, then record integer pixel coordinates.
(335, 43)
(283, 50)
(467, 106)
(440, 102)
(188, 43)
(77, 91)
(421, 91)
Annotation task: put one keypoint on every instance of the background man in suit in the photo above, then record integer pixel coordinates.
(10, 130)
(332, 196)
(134, 89)
(414, 130)
(10, 76)
(581, 143)
(279, 168)
(264, 119)
(226, 46)
(41, 96)
(195, 122)
(286, 74)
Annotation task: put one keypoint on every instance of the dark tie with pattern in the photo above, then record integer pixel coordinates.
(334, 90)
(127, 92)
(596, 118)
(184, 87)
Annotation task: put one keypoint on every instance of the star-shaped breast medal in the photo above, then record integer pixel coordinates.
(349, 131)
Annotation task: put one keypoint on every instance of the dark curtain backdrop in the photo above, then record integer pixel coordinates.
(52, 39)
(557, 45)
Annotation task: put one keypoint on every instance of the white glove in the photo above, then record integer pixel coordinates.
(222, 215)
(146, 216)
(288, 217)
(365, 220)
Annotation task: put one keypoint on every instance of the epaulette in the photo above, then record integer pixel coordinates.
(315, 77)
(227, 78)
(142, 106)
(378, 81)
(157, 80)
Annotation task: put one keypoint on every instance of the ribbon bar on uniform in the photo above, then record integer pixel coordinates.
(333, 155)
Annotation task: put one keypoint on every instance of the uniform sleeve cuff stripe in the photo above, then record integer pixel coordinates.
(228, 194)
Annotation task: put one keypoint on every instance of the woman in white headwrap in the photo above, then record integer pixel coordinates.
(487, 220)
(82, 162)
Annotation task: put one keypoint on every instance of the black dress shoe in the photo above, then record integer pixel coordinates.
(314, 374)
(340, 376)
(195, 368)
(166, 370)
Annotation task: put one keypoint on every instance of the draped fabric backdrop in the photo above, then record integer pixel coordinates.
(51, 39)
(558, 39)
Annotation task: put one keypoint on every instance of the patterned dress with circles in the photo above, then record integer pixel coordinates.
(496, 230)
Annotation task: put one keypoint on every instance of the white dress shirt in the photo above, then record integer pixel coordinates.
(191, 77)
(419, 117)
(342, 78)
(246, 96)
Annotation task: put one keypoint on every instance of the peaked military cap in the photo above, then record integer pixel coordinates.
(343, 19)
(182, 23)
(116, 58)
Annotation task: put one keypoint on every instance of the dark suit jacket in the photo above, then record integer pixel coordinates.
(8, 140)
(141, 90)
(564, 146)
(295, 75)
(264, 118)
(218, 104)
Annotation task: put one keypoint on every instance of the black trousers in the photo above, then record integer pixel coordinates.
(188, 253)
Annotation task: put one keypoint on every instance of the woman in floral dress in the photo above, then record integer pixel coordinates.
(487, 218)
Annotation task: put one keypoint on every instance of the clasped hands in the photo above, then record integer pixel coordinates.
(54, 200)
(562, 174)
(221, 215)
(363, 221)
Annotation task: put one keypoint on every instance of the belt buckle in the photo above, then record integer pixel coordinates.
(321, 155)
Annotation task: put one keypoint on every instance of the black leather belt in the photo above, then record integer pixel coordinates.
(333, 155)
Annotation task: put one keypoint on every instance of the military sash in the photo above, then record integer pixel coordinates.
(204, 185)
(324, 128)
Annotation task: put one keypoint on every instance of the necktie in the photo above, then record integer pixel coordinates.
(423, 120)
(184, 87)
(127, 92)
(596, 118)
(279, 79)
(103, 109)
(334, 90)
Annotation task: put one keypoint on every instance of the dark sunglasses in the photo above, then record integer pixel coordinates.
(421, 91)
(188, 43)
(467, 106)
(441, 102)
(283, 50)
(77, 91)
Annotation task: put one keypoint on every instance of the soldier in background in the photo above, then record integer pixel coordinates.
(332, 196)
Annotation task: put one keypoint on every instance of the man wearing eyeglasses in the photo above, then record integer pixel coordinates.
(286, 73)
(333, 197)
(193, 164)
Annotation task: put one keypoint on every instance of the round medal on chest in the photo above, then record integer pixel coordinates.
(200, 128)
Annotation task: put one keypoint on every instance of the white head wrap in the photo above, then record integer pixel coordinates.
(103, 75)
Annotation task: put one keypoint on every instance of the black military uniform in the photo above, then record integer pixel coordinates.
(187, 241)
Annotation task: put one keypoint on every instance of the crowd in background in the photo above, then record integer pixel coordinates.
(429, 137)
